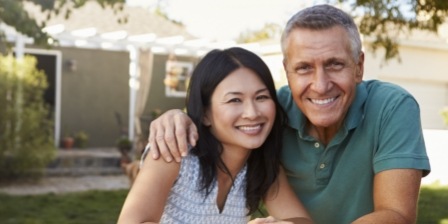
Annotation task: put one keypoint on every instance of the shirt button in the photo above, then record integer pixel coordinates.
(316, 144)
(322, 165)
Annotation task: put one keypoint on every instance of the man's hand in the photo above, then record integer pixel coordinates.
(168, 135)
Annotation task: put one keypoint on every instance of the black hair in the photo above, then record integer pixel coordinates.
(263, 163)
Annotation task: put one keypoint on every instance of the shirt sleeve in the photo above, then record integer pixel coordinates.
(400, 139)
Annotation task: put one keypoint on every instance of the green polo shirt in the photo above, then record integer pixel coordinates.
(382, 131)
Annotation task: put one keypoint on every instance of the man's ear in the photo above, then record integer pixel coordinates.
(360, 68)
(284, 64)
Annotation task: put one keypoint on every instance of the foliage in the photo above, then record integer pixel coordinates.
(444, 114)
(26, 138)
(385, 20)
(81, 138)
(13, 13)
(71, 208)
(160, 11)
(124, 143)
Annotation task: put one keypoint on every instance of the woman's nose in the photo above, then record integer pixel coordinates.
(250, 110)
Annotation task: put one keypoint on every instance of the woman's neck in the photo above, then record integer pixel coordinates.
(234, 162)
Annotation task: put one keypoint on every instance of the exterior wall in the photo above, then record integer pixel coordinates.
(93, 92)
(156, 96)
(436, 142)
(421, 73)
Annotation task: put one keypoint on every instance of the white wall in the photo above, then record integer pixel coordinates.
(437, 148)
(423, 72)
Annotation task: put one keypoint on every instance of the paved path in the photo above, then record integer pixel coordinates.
(60, 185)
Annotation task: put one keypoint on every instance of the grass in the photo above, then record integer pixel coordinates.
(103, 207)
(433, 205)
(95, 207)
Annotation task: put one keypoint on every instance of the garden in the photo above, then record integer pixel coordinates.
(104, 207)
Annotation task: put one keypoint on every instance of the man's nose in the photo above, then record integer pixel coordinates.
(321, 82)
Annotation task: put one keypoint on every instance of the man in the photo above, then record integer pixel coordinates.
(353, 149)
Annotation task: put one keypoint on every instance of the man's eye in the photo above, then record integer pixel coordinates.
(303, 69)
(335, 66)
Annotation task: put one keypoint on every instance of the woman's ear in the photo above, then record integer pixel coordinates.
(206, 121)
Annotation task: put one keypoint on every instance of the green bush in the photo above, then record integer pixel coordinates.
(81, 139)
(26, 140)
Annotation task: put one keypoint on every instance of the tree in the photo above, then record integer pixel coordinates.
(26, 139)
(384, 20)
(387, 19)
(13, 13)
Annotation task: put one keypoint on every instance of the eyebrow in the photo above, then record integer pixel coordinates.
(333, 59)
(240, 93)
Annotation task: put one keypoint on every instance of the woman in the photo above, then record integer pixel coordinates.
(235, 163)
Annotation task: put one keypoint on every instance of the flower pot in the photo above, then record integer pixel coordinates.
(68, 142)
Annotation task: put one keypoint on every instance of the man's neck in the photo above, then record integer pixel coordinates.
(322, 134)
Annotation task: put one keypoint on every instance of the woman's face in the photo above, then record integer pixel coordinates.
(241, 112)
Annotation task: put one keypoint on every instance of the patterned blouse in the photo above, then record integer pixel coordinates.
(186, 204)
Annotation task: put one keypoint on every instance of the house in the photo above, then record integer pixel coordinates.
(106, 78)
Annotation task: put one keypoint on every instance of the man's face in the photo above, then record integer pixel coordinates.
(322, 74)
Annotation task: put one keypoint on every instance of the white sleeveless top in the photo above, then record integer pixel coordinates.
(186, 204)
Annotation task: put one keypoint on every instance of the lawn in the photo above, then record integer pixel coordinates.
(103, 207)
(90, 207)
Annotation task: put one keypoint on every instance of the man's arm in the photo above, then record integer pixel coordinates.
(168, 135)
(395, 196)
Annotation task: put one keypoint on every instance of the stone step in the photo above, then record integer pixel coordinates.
(82, 162)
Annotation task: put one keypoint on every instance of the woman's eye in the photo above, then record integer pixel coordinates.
(234, 100)
(263, 97)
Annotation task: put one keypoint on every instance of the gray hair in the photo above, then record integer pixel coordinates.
(322, 17)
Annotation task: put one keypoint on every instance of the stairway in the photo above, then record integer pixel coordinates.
(84, 162)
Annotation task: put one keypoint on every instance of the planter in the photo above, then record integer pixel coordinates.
(68, 142)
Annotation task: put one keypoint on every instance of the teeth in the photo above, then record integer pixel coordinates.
(325, 101)
(250, 128)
